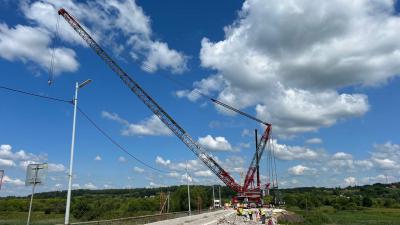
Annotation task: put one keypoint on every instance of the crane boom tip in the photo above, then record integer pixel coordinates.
(61, 11)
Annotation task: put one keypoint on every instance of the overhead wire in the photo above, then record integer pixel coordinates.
(36, 95)
(102, 131)
(116, 143)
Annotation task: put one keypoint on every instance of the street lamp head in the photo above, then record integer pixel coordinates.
(84, 83)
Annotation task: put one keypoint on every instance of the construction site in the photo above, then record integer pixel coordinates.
(249, 197)
(217, 161)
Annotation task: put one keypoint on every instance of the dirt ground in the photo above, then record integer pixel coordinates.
(244, 220)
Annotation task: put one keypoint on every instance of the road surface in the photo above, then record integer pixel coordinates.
(210, 218)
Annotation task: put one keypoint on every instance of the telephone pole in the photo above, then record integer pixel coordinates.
(188, 189)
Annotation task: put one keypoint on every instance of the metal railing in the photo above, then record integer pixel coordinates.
(141, 219)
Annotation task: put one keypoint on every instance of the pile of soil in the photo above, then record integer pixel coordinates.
(290, 217)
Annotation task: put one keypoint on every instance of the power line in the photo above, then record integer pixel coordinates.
(36, 95)
(89, 119)
(116, 143)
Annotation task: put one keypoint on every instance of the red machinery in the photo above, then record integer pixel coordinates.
(249, 191)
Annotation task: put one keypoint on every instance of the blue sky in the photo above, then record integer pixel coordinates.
(324, 75)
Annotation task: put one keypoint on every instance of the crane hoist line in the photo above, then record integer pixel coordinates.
(198, 150)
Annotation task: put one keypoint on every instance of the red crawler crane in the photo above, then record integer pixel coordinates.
(246, 192)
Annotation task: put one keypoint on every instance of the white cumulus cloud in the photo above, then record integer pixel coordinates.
(90, 186)
(350, 181)
(290, 60)
(204, 173)
(386, 156)
(215, 144)
(314, 141)
(32, 44)
(138, 169)
(299, 170)
(288, 152)
(56, 167)
(112, 21)
(163, 162)
(13, 182)
(151, 126)
(7, 162)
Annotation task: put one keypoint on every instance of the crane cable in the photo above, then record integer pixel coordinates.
(102, 131)
(52, 58)
(215, 101)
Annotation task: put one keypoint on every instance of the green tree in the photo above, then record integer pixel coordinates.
(367, 202)
(80, 209)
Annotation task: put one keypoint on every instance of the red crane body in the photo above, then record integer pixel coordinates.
(247, 190)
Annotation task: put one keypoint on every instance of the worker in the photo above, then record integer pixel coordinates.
(257, 212)
(240, 211)
(246, 213)
(269, 217)
(251, 214)
(272, 221)
(262, 213)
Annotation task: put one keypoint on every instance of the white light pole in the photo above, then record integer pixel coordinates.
(75, 102)
(187, 176)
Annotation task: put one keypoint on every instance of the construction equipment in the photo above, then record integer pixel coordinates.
(252, 192)
(248, 190)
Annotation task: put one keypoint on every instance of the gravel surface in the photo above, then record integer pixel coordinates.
(233, 219)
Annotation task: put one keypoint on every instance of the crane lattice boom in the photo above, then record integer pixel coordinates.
(153, 106)
(253, 165)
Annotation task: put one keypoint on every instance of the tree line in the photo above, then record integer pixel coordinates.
(117, 203)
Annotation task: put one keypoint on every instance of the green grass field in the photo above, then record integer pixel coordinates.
(321, 216)
(329, 216)
(17, 218)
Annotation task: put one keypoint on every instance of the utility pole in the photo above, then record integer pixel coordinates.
(71, 161)
(187, 176)
(169, 193)
(33, 192)
(32, 178)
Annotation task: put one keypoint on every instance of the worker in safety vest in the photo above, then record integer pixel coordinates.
(240, 211)
(246, 213)
(250, 214)
(262, 213)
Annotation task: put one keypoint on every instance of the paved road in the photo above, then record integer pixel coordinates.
(210, 218)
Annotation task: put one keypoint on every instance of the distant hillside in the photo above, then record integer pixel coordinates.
(374, 191)
(133, 192)
(118, 203)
